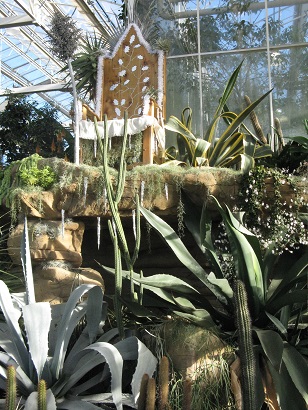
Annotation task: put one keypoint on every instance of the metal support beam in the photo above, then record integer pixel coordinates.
(26, 87)
(220, 10)
(32, 89)
(16, 21)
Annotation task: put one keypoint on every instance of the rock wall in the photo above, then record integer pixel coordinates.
(79, 199)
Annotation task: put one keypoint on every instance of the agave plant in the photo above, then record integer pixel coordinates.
(276, 301)
(237, 144)
(36, 339)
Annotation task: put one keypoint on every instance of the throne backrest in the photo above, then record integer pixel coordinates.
(130, 77)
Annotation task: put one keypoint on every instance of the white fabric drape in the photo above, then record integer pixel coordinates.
(116, 128)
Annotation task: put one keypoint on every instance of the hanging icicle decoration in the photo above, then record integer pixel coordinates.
(85, 188)
(95, 146)
(142, 192)
(105, 200)
(62, 222)
(98, 232)
(166, 191)
(134, 223)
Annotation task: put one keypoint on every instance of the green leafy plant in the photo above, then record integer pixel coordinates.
(24, 174)
(292, 155)
(276, 302)
(36, 338)
(34, 176)
(85, 65)
(27, 128)
(235, 145)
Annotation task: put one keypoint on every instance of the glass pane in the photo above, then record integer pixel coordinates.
(183, 87)
(288, 24)
(224, 25)
(290, 95)
(182, 91)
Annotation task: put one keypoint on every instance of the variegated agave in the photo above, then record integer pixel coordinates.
(237, 144)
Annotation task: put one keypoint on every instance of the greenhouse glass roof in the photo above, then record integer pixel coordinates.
(27, 65)
(269, 34)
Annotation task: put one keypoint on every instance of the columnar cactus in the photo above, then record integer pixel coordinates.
(10, 402)
(246, 352)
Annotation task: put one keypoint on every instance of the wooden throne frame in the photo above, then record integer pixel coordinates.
(131, 78)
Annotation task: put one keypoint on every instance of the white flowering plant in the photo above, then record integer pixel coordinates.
(270, 217)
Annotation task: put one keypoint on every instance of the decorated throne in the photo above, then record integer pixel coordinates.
(130, 78)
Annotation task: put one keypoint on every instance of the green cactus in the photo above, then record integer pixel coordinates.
(246, 352)
(143, 392)
(255, 122)
(114, 195)
(278, 132)
(151, 394)
(11, 390)
(163, 380)
(187, 394)
(42, 398)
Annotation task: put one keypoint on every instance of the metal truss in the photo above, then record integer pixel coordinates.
(27, 66)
